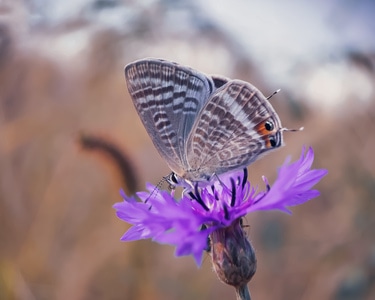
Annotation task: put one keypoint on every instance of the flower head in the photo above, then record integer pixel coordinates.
(188, 222)
(233, 256)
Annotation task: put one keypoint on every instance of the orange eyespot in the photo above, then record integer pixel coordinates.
(266, 131)
(265, 128)
(272, 141)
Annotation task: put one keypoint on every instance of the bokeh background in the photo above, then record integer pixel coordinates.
(70, 138)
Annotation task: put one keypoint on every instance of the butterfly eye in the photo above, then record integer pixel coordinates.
(268, 125)
(272, 141)
(172, 179)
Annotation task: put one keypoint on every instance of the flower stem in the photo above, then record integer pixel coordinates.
(242, 292)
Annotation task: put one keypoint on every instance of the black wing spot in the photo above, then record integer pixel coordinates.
(272, 141)
(269, 125)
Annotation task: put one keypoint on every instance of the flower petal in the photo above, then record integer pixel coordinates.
(187, 223)
(292, 186)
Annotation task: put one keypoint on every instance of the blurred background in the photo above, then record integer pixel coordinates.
(70, 138)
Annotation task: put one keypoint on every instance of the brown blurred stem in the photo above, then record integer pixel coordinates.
(242, 293)
(118, 157)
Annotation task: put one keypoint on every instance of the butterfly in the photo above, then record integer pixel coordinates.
(201, 125)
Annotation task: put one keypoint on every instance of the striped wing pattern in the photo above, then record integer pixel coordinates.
(201, 125)
(167, 98)
(230, 130)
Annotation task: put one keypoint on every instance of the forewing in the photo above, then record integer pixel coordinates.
(236, 125)
(168, 98)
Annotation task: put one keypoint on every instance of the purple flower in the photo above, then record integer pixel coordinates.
(187, 223)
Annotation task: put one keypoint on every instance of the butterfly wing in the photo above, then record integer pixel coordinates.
(236, 125)
(168, 98)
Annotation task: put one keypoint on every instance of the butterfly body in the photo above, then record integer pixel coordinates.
(201, 125)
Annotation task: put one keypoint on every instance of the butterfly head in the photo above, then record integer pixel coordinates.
(175, 180)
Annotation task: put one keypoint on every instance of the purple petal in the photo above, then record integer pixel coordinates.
(292, 187)
(179, 222)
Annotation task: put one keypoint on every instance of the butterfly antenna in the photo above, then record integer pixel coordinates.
(292, 130)
(273, 94)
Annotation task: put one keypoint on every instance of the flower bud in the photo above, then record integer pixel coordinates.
(233, 256)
